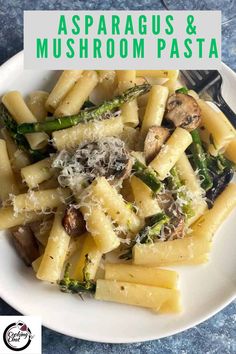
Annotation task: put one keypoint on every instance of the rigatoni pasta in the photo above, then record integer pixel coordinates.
(141, 275)
(114, 205)
(207, 225)
(133, 294)
(230, 151)
(101, 228)
(18, 158)
(7, 178)
(218, 125)
(17, 107)
(9, 218)
(126, 79)
(36, 102)
(144, 199)
(55, 252)
(40, 200)
(88, 259)
(37, 173)
(69, 138)
(174, 251)
(171, 152)
(155, 108)
(64, 84)
(76, 97)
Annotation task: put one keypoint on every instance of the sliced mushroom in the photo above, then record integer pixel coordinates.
(25, 244)
(176, 226)
(155, 138)
(165, 200)
(73, 221)
(183, 111)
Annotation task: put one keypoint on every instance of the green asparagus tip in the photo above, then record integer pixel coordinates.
(73, 286)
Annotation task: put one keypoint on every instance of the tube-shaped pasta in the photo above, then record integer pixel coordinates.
(76, 97)
(9, 218)
(37, 173)
(187, 175)
(130, 137)
(89, 255)
(207, 225)
(36, 103)
(129, 110)
(165, 74)
(144, 199)
(115, 205)
(15, 104)
(141, 275)
(64, 84)
(174, 305)
(40, 200)
(18, 158)
(133, 294)
(189, 178)
(155, 108)
(100, 227)
(71, 137)
(171, 152)
(204, 258)
(218, 125)
(7, 178)
(55, 252)
(230, 152)
(160, 253)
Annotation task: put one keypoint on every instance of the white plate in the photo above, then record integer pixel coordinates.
(205, 289)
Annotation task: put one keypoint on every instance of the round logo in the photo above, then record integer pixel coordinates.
(17, 336)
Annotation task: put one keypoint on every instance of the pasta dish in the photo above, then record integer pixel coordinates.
(112, 178)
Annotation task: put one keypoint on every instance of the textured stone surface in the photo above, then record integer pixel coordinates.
(217, 335)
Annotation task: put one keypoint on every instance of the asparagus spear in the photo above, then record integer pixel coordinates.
(85, 115)
(200, 160)
(147, 175)
(149, 232)
(19, 139)
(72, 286)
(176, 184)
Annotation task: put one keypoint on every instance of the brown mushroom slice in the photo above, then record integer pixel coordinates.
(165, 200)
(155, 138)
(176, 227)
(73, 221)
(25, 244)
(183, 111)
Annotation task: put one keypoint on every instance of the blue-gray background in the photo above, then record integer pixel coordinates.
(217, 335)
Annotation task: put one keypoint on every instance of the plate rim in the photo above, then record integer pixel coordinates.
(16, 60)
